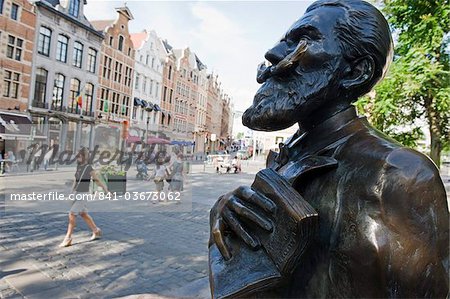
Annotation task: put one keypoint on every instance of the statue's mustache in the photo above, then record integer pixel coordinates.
(264, 71)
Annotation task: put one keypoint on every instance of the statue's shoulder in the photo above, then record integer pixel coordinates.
(411, 165)
(414, 177)
(395, 166)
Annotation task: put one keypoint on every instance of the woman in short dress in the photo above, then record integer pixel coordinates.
(83, 177)
(176, 176)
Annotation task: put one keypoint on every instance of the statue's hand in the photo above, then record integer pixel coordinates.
(235, 208)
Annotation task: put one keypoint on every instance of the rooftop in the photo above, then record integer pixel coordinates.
(138, 39)
(100, 25)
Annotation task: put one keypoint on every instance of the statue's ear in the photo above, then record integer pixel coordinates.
(358, 73)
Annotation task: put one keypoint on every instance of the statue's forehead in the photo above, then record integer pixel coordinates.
(323, 19)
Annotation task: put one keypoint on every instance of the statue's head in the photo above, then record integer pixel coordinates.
(330, 57)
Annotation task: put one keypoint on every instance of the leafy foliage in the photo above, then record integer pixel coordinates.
(416, 91)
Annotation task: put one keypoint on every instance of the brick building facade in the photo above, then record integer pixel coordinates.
(17, 27)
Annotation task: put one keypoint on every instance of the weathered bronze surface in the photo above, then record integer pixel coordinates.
(383, 221)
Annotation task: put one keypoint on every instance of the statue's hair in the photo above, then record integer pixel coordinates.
(364, 31)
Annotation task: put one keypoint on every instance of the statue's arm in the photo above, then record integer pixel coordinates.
(416, 226)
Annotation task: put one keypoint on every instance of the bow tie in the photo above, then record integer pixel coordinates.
(283, 155)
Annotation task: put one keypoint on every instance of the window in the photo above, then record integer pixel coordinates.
(92, 60)
(115, 105)
(120, 47)
(144, 88)
(11, 84)
(136, 83)
(1, 6)
(58, 91)
(146, 59)
(151, 87)
(104, 100)
(123, 111)
(110, 40)
(153, 63)
(74, 8)
(157, 89)
(89, 94)
(127, 76)
(14, 11)
(77, 54)
(127, 105)
(61, 48)
(118, 72)
(40, 86)
(74, 92)
(130, 75)
(107, 67)
(14, 48)
(45, 36)
(170, 72)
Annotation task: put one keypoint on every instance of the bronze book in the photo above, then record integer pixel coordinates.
(248, 271)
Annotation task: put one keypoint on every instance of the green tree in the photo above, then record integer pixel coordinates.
(417, 86)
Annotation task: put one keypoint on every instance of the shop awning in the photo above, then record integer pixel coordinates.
(156, 107)
(148, 106)
(137, 102)
(157, 140)
(133, 139)
(15, 126)
(182, 142)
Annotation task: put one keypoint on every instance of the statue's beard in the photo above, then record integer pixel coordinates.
(279, 104)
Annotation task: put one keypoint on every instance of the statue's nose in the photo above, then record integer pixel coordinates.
(277, 53)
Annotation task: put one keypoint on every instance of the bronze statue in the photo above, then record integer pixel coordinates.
(372, 216)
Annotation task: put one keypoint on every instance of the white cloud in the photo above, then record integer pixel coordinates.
(228, 50)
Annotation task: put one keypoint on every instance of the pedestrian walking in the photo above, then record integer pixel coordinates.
(176, 175)
(159, 175)
(83, 176)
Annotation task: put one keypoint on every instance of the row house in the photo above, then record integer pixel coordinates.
(225, 126)
(214, 114)
(149, 65)
(17, 29)
(166, 124)
(64, 74)
(200, 130)
(114, 99)
(186, 95)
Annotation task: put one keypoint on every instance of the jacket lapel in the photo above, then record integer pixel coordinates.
(294, 171)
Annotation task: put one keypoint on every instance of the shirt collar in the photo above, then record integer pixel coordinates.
(320, 136)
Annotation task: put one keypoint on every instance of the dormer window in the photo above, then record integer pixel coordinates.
(74, 8)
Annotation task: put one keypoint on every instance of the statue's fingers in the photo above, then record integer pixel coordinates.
(219, 240)
(249, 195)
(236, 226)
(236, 205)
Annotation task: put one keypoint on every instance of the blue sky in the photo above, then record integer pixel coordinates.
(230, 37)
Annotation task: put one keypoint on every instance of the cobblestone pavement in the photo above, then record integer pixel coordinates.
(160, 253)
(157, 253)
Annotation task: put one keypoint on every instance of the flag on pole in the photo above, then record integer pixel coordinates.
(80, 101)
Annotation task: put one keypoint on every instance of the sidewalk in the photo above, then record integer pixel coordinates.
(161, 254)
